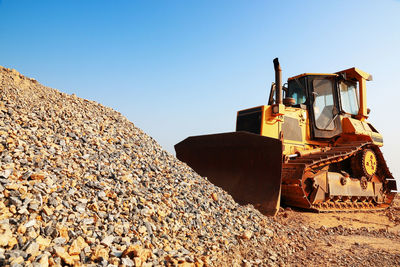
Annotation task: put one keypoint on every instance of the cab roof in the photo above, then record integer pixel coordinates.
(309, 74)
(350, 73)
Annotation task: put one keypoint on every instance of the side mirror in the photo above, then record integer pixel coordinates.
(285, 88)
(368, 111)
(271, 99)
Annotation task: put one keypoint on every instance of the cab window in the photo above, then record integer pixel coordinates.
(296, 91)
(349, 97)
(323, 104)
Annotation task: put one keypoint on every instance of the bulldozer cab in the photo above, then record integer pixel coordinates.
(325, 96)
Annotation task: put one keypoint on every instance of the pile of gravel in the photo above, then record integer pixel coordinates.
(81, 185)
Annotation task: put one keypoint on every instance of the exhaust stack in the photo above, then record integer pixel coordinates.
(278, 82)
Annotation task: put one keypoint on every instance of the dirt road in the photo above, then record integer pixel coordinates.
(347, 238)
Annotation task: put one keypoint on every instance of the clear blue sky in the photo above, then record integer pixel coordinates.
(180, 68)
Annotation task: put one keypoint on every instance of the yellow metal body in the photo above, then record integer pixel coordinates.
(271, 126)
(354, 129)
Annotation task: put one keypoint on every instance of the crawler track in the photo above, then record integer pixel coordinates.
(295, 172)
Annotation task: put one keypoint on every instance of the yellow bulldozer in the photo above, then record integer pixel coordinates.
(310, 147)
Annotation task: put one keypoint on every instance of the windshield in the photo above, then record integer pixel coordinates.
(349, 97)
(323, 104)
(296, 91)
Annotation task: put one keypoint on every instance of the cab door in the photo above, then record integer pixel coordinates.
(323, 107)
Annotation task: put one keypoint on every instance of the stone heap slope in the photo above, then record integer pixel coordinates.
(81, 185)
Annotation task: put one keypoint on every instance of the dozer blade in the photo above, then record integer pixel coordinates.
(246, 165)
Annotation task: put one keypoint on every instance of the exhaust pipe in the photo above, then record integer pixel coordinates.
(278, 82)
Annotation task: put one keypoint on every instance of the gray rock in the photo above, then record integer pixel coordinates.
(80, 208)
(30, 223)
(148, 227)
(115, 252)
(102, 195)
(26, 175)
(15, 201)
(6, 173)
(53, 202)
(127, 262)
(59, 241)
(34, 206)
(88, 221)
(108, 240)
(49, 230)
(33, 248)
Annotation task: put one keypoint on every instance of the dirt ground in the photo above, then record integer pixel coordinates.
(347, 238)
(388, 219)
